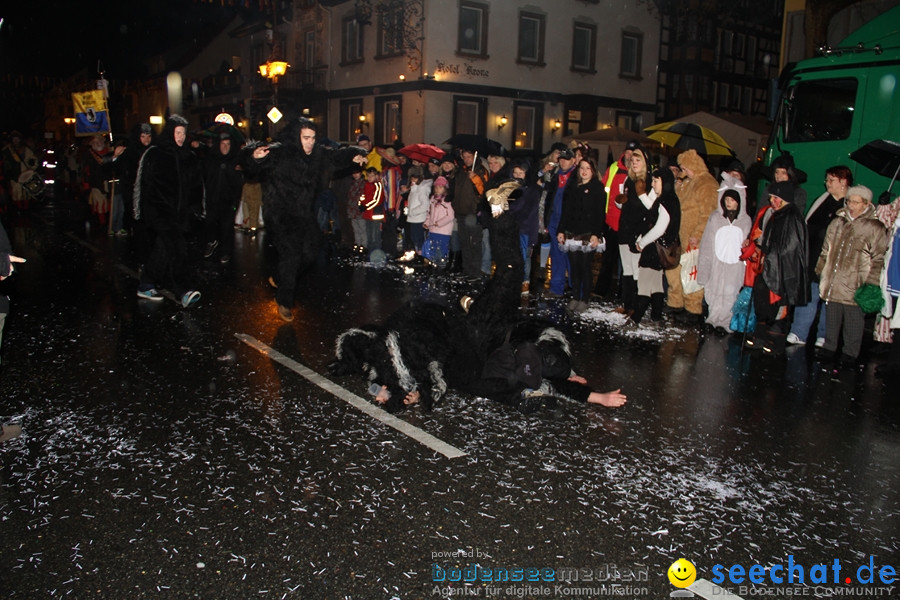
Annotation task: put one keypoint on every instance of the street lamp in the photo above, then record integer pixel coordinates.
(273, 69)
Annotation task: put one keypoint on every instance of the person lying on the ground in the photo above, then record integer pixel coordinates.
(424, 349)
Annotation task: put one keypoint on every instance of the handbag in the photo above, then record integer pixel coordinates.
(669, 256)
(689, 262)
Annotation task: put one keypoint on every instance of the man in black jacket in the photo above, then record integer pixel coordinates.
(293, 171)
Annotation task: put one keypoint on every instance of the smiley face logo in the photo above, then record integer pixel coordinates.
(682, 573)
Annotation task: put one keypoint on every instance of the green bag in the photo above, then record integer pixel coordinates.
(869, 298)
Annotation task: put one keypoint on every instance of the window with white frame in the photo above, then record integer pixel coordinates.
(630, 65)
(388, 126)
(584, 47)
(531, 38)
(352, 41)
(527, 119)
(469, 115)
(350, 124)
(472, 39)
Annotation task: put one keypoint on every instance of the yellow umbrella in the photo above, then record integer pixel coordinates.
(681, 136)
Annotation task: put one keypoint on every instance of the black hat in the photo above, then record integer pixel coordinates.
(566, 153)
(146, 128)
(558, 146)
(363, 138)
(631, 145)
(782, 189)
(735, 165)
(435, 161)
(784, 161)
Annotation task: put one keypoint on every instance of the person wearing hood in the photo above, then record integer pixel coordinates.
(167, 196)
(699, 197)
(139, 139)
(222, 187)
(784, 279)
(783, 169)
(719, 268)
(293, 171)
(852, 256)
(660, 226)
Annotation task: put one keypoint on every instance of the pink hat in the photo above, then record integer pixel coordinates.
(442, 181)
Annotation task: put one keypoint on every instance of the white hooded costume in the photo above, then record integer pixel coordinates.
(720, 270)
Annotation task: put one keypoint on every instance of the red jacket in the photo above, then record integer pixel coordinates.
(619, 173)
(371, 203)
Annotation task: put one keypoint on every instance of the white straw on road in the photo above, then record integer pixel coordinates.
(352, 399)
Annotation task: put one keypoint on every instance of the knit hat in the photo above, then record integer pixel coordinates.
(441, 181)
(363, 138)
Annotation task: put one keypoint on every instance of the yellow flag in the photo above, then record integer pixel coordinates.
(91, 114)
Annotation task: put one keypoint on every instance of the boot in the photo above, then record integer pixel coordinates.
(455, 264)
(657, 301)
(640, 307)
(629, 293)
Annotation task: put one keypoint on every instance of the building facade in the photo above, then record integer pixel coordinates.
(522, 73)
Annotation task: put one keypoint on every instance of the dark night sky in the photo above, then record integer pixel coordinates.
(61, 38)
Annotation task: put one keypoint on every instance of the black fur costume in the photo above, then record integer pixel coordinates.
(491, 351)
(167, 197)
(291, 180)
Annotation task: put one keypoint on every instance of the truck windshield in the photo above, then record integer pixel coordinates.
(819, 111)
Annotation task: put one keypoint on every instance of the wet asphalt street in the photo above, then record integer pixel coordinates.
(166, 455)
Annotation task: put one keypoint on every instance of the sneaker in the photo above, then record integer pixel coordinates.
(285, 313)
(820, 342)
(8, 432)
(525, 287)
(210, 249)
(150, 294)
(190, 298)
(792, 338)
(122, 233)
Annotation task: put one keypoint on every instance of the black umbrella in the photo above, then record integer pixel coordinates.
(882, 156)
(477, 143)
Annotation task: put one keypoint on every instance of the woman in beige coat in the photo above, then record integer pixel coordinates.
(852, 256)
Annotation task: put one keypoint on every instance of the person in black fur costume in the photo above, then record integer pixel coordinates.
(167, 196)
(482, 347)
(293, 170)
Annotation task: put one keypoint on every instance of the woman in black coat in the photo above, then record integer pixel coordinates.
(582, 226)
(784, 281)
(661, 224)
(633, 215)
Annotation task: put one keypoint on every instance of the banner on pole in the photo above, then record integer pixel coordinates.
(91, 114)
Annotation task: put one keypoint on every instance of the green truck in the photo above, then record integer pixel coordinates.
(837, 102)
